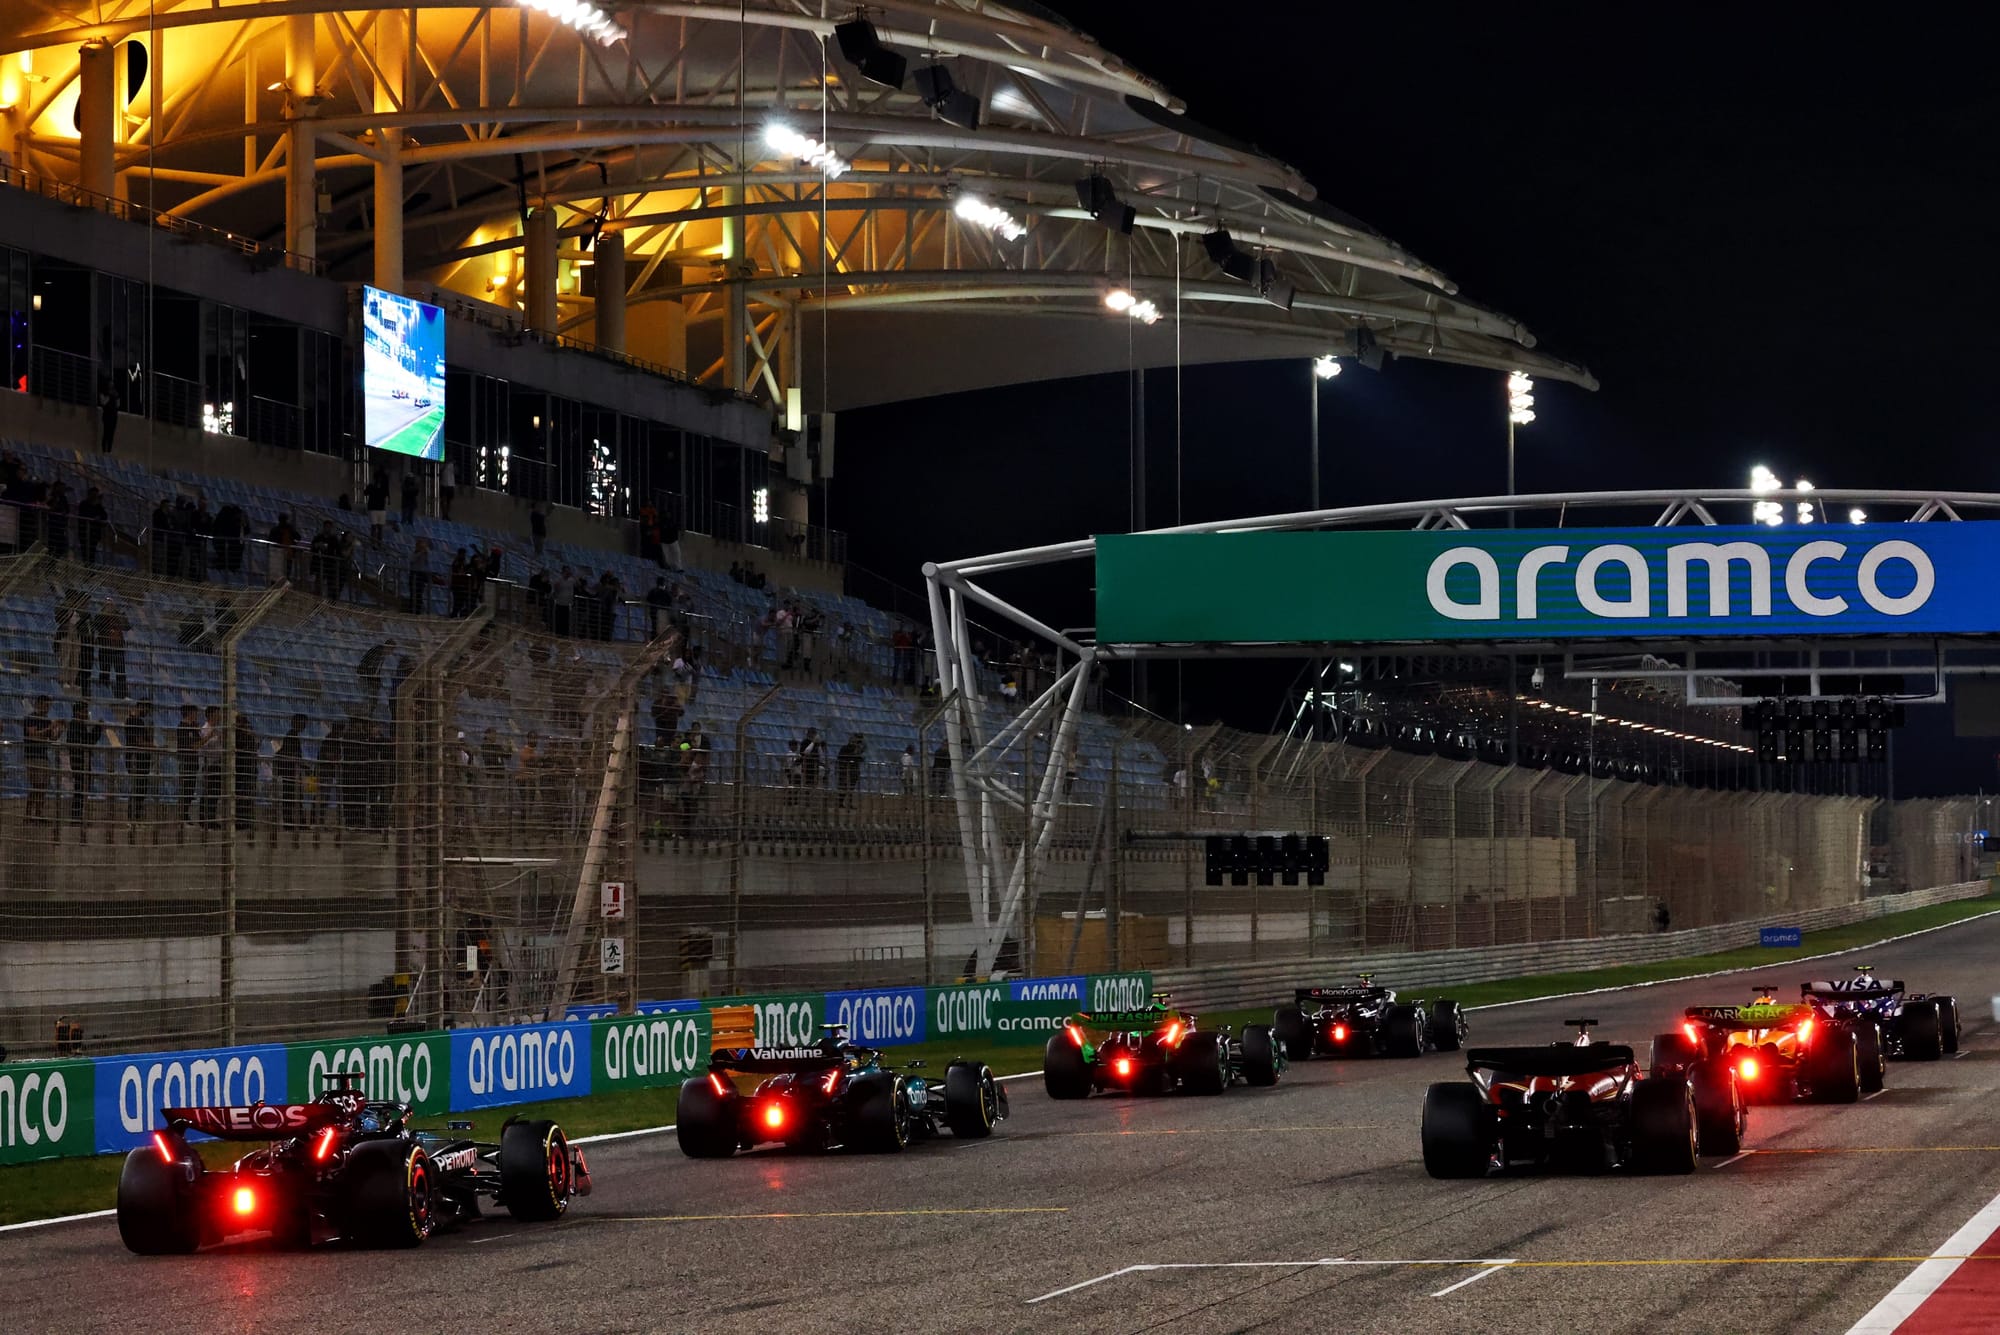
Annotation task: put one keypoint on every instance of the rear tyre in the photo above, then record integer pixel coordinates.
(1260, 1056)
(971, 1100)
(391, 1194)
(1458, 1131)
(1402, 1034)
(882, 1119)
(1448, 1027)
(706, 1123)
(535, 1173)
(1664, 1133)
(1868, 1052)
(156, 1211)
(1948, 1023)
(1065, 1074)
(1202, 1064)
(1836, 1071)
(1720, 1114)
(1923, 1031)
(1674, 1052)
(1289, 1027)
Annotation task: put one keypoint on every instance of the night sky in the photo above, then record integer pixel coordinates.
(1771, 246)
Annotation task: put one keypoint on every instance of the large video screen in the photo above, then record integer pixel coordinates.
(402, 374)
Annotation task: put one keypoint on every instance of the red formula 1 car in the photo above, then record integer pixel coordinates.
(338, 1167)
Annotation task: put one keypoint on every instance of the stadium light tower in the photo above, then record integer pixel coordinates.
(1324, 367)
(1520, 412)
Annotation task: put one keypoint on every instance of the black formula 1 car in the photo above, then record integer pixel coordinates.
(1916, 1026)
(1155, 1051)
(1580, 1105)
(1366, 1021)
(836, 1095)
(1778, 1052)
(338, 1167)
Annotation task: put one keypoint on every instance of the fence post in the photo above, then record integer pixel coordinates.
(232, 856)
(738, 845)
(1114, 870)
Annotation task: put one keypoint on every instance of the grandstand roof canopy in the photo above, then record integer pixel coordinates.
(659, 132)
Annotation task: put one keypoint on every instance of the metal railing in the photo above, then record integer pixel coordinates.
(75, 196)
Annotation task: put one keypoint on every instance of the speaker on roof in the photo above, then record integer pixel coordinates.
(864, 50)
(953, 105)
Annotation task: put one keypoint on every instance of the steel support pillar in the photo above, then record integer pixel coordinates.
(610, 251)
(541, 269)
(97, 117)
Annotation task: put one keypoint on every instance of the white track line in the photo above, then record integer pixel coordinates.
(1495, 1262)
(1471, 1279)
(61, 1219)
(1921, 1283)
(1876, 1095)
(1745, 968)
(1735, 1158)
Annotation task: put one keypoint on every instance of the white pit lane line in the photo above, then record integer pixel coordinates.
(1488, 1265)
(1917, 1286)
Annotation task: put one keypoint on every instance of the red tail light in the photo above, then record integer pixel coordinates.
(1748, 1070)
(774, 1115)
(1340, 1033)
(1173, 1034)
(245, 1201)
(325, 1146)
(1123, 1066)
(1805, 1029)
(832, 1079)
(717, 1082)
(1694, 1034)
(160, 1144)
(1075, 1034)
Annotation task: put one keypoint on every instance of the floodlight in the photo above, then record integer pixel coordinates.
(864, 50)
(1763, 479)
(953, 105)
(1095, 196)
(993, 218)
(1520, 398)
(783, 139)
(1326, 367)
(587, 19)
(1857, 516)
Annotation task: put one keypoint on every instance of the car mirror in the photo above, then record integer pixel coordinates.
(458, 1126)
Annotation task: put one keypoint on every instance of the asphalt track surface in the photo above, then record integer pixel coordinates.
(1305, 1207)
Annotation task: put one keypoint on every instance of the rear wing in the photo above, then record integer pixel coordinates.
(1834, 989)
(1146, 1019)
(1554, 1059)
(1336, 994)
(258, 1121)
(774, 1061)
(1746, 1017)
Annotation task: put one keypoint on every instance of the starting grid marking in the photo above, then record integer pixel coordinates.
(913, 1213)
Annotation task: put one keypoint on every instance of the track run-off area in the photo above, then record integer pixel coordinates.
(1298, 1208)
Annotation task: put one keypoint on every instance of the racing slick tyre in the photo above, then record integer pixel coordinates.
(535, 1182)
(1447, 1027)
(706, 1122)
(1923, 1031)
(1836, 1068)
(1402, 1032)
(1948, 1023)
(971, 1100)
(1202, 1063)
(881, 1118)
(1665, 1137)
(391, 1194)
(1065, 1073)
(1260, 1055)
(1868, 1051)
(1673, 1052)
(1719, 1111)
(1458, 1131)
(156, 1210)
(1289, 1026)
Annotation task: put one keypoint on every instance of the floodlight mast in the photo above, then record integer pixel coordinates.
(999, 866)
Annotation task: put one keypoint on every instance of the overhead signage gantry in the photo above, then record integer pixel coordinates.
(1805, 609)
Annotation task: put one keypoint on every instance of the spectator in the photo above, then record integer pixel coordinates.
(160, 537)
(527, 763)
(231, 524)
(493, 766)
(562, 601)
(411, 490)
(325, 551)
(736, 572)
(609, 595)
(903, 656)
(248, 756)
(200, 527)
(540, 587)
(793, 775)
(649, 533)
(107, 413)
(344, 563)
(812, 757)
(141, 758)
(83, 735)
(941, 770)
(476, 571)
(283, 538)
(187, 760)
(538, 526)
(810, 624)
(374, 774)
(847, 764)
(447, 489)
(209, 748)
(369, 670)
(659, 606)
(109, 630)
(910, 767)
(92, 520)
(288, 767)
(670, 539)
(39, 733)
(1663, 917)
(377, 495)
(461, 585)
(69, 1037)
(420, 577)
(55, 522)
(345, 504)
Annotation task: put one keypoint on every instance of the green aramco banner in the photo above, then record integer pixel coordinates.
(1414, 586)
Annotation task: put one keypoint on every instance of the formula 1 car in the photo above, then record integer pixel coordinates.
(831, 1096)
(1155, 1051)
(340, 1166)
(1915, 1026)
(1366, 1021)
(1581, 1105)
(1778, 1052)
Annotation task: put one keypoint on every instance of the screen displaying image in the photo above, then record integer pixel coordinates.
(402, 374)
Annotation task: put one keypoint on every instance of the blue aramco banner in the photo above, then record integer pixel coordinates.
(884, 1015)
(131, 1090)
(519, 1064)
(1679, 582)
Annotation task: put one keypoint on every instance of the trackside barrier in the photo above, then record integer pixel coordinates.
(1231, 986)
(104, 1105)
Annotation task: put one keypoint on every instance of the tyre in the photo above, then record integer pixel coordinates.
(1674, 1052)
(707, 1121)
(1201, 1063)
(1923, 1031)
(1448, 1027)
(1720, 1114)
(1065, 1073)
(1260, 1055)
(1290, 1027)
(1665, 1138)
(1458, 1131)
(156, 1210)
(1836, 1068)
(391, 1194)
(881, 1117)
(1402, 1032)
(1948, 1023)
(971, 1100)
(1868, 1052)
(535, 1174)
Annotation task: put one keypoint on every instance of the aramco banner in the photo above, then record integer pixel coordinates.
(1504, 584)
